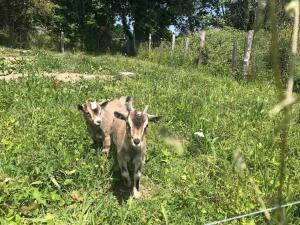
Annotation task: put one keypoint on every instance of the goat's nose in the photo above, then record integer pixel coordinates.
(136, 141)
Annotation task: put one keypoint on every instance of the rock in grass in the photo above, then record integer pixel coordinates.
(199, 134)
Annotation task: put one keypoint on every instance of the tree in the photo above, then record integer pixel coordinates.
(88, 23)
(144, 17)
(20, 18)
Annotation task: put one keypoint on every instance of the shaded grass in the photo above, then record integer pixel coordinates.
(43, 138)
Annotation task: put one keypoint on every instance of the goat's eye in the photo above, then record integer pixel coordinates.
(96, 110)
(88, 114)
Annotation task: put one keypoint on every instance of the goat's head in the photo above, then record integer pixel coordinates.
(92, 111)
(136, 123)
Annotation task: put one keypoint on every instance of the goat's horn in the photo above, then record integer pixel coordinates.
(146, 109)
(129, 107)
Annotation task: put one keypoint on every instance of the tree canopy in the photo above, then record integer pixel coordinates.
(93, 24)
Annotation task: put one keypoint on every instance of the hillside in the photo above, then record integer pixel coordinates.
(46, 153)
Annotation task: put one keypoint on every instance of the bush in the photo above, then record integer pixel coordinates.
(45, 41)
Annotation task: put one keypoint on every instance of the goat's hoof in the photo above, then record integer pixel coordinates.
(105, 151)
(136, 194)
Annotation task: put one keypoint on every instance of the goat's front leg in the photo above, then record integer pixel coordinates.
(95, 137)
(106, 143)
(138, 165)
(124, 170)
(96, 142)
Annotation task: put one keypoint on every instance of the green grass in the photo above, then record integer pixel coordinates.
(43, 138)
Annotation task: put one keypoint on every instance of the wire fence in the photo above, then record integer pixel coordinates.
(252, 213)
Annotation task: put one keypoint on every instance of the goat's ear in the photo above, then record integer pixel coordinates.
(153, 118)
(120, 116)
(129, 103)
(80, 107)
(128, 99)
(103, 104)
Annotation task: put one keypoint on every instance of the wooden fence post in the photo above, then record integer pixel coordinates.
(202, 42)
(62, 42)
(186, 49)
(234, 56)
(247, 52)
(127, 44)
(134, 46)
(150, 43)
(173, 44)
(161, 49)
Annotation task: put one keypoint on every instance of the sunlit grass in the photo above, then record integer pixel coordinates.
(43, 138)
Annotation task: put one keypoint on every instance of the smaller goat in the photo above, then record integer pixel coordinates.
(99, 119)
(129, 132)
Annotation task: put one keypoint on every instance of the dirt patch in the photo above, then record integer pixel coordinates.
(65, 76)
(12, 76)
(148, 189)
(11, 59)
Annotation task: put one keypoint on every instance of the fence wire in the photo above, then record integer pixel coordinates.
(252, 213)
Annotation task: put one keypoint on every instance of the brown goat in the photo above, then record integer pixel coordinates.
(99, 119)
(129, 132)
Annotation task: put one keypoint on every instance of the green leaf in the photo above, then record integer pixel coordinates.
(37, 182)
(54, 181)
(37, 195)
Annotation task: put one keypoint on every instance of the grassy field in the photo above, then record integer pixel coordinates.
(46, 155)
